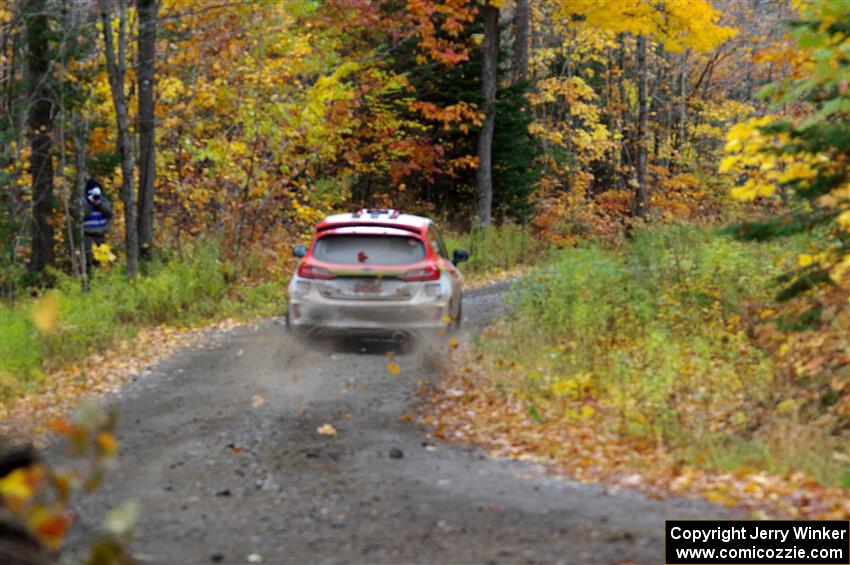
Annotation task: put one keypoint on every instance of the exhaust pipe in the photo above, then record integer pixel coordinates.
(399, 336)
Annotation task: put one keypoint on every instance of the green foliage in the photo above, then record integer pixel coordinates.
(20, 348)
(183, 289)
(498, 248)
(783, 225)
(656, 333)
(803, 159)
(515, 167)
(103, 165)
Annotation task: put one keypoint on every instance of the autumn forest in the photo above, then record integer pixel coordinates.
(669, 182)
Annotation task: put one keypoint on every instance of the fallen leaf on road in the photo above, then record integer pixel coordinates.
(394, 368)
(60, 426)
(107, 443)
(49, 525)
(123, 519)
(327, 430)
(257, 400)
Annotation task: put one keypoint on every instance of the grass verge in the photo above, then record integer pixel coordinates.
(66, 324)
(497, 250)
(650, 351)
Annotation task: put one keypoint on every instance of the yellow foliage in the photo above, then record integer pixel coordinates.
(45, 313)
(170, 88)
(677, 24)
(804, 260)
(583, 133)
(103, 253)
(843, 220)
(757, 154)
(20, 485)
(786, 406)
(564, 387)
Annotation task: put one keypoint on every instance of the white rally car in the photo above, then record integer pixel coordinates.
(375, 273)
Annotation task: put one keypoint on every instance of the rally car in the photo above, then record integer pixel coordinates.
(375, 273)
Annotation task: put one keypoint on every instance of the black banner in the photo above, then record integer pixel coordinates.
(694, 542)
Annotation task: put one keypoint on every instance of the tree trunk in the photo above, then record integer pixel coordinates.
(41, 129)
(80, 136)
(117, 69)
(640, 202)
(147, 10)
(521, 21)
(625, 120)
(681, 137)
(484, 175)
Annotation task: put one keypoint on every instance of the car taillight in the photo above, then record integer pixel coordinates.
(309, 271)
(427, 273)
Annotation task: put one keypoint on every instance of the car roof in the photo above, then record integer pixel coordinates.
(375, 217)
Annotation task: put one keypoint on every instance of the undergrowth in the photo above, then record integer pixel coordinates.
(180, 289)
(498, 248)
(655, 340)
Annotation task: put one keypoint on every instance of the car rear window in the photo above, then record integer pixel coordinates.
(369, 250)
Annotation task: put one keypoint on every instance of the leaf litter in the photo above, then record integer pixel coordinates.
(469, 407)
(26, 418)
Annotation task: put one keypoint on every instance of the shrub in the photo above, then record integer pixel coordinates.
(659, 334)
(498, 248)
(179, 289)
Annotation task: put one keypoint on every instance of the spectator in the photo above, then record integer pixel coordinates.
(96, 212)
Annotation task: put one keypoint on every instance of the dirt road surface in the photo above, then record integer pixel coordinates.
(219, 480)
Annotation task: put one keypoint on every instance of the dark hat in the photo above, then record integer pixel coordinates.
(91, 183)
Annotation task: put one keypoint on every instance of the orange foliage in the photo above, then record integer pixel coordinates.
(444, 17)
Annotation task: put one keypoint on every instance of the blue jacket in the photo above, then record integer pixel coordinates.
(96, 219)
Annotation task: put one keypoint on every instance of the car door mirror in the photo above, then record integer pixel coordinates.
(459, 256)
(299, 251)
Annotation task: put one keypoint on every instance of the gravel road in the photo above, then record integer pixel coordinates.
(219, 480)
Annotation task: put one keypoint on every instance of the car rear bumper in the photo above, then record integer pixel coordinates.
(316, 309)
(367, 318)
